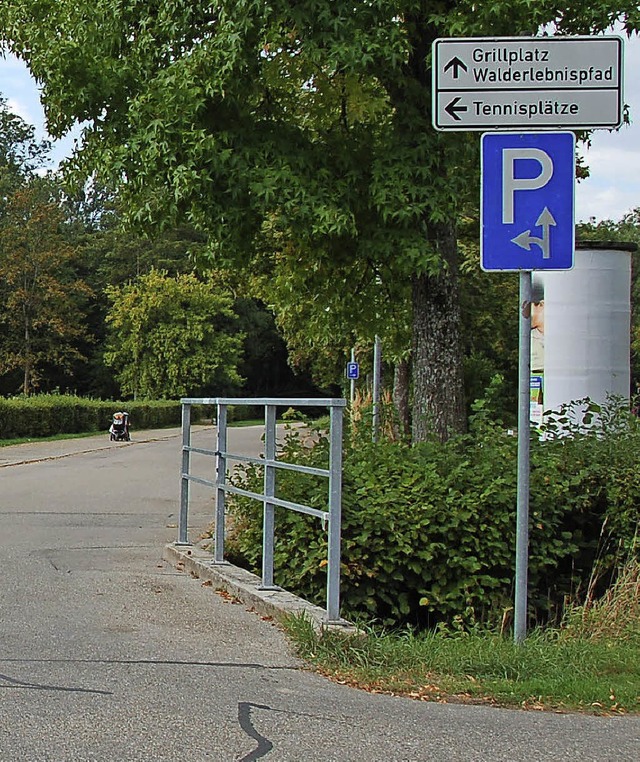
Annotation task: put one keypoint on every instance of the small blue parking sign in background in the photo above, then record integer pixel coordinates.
(353, 370)
(527, 205)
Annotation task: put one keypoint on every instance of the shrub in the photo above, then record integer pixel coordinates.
(48, 415)
(428, 531)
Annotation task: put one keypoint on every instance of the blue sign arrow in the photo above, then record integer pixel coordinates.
(353, 370)
(527, 206)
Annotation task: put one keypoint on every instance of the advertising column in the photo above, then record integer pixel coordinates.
(580, 329)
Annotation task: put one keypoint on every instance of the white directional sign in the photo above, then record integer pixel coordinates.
(527, 83)
(527, 205)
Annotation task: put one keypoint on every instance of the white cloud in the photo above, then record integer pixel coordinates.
(23, 99)
(24, 110)
(21, 92)
(613, 187)
(607, 203)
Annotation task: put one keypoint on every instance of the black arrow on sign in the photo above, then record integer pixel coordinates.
(456, 64)
(453, 108)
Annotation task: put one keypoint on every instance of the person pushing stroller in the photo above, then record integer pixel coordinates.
(119, 429)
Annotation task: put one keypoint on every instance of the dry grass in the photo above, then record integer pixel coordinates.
(361, 413)
(615, 616)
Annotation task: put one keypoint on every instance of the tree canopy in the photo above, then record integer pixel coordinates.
(312, 116)
(41, 295)
(169, 337)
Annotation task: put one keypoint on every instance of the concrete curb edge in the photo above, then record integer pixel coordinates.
(245, 586)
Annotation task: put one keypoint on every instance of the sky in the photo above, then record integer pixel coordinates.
(612, 190)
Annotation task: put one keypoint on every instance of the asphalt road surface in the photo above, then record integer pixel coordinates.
(107, 653)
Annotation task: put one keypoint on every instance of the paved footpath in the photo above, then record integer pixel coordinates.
(107, 653)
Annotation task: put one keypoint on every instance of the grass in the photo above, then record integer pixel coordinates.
(548, 671)
(52, 438)
(615, 615)
(591, 664)
(56, 437)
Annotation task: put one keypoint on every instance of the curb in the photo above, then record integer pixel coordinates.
(245, 586)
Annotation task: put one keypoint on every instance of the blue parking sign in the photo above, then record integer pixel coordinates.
(353, 370)
(527, 204)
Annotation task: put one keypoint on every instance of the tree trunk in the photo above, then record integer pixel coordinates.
(401, 396)
(26, 385)
(438, 386)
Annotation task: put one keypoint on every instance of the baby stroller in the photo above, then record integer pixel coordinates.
(119, 429)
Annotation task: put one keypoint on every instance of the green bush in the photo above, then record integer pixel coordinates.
(429, 531)
(48, 415)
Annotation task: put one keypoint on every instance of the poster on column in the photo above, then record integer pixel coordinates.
(536, 381)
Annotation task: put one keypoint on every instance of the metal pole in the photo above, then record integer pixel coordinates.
(524, 427)
(184, 475)
(268, 525)
(377, 370)
(335, 516)
(221, 478)
(352, 383)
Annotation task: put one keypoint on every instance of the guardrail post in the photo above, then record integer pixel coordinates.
(184, 483)
(268, 496)
(221, 478)
(335, 515)
(268, 523)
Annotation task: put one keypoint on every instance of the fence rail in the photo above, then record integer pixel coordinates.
(331, 518)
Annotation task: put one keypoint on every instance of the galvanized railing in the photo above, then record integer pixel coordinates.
(331, 518)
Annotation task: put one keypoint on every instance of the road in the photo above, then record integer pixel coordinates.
(107, 653)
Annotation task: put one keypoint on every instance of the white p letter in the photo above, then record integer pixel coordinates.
(510, 184)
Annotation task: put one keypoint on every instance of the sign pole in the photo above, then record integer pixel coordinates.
(532, 229)
(352, 381)
(524, 430)
(377, 372)
(538, 85)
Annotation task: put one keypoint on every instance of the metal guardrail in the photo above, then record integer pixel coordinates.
(331, 518)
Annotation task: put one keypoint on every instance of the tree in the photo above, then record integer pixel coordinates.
(113, 256)
(316, 114)
(324, 312)
(172, 336)
(41, 296)
(20, 153)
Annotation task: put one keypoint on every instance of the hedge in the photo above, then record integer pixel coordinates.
(48, 415)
